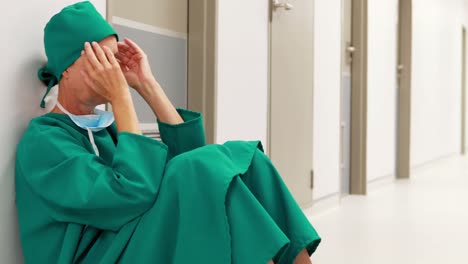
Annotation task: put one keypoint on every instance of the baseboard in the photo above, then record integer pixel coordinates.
(323, 205)
(429, 164)
(378, 183)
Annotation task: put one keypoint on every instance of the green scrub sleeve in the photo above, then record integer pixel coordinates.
(185, 136)
(77, 186)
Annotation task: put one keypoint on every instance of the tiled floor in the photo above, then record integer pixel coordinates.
(422, 220)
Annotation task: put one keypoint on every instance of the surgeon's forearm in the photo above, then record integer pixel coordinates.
(157, 99)
(125, 114)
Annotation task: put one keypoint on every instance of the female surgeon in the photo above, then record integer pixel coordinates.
(92, 189)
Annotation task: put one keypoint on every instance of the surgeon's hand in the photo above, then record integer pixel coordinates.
(103, 73)
(137, 71)
(134, 64)
(104, 76)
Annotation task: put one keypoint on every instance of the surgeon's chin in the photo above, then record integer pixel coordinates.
(99, 100)
(96, 98)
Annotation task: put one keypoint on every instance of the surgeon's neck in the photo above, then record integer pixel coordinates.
(73, 105)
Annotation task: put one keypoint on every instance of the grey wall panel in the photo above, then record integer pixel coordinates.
(168, 60)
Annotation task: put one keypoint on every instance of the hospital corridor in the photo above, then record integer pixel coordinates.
(421, 220)
(243, 132)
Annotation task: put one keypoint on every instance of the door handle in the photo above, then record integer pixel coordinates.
(400, 69)
(351, 49)
(278, 5)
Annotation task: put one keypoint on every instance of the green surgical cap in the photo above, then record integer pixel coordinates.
(64, 38)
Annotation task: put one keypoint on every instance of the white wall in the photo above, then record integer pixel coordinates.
(242, 97)
(327, 76)
(382, 88)
(436, 84)
(23, 55)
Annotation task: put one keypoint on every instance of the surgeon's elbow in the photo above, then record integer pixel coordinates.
(142, 192)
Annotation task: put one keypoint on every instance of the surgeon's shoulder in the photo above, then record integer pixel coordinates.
(39, 144)
(40, 130)
(43, 124)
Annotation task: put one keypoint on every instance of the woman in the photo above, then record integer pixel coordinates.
(91, 190)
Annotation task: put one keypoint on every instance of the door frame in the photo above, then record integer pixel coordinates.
(202, 62)
(358, 156)
(403, 151)
(463, 97)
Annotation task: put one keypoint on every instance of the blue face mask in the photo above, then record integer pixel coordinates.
(97, 122)
(92, 123)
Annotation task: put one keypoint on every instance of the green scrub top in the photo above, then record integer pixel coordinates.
(147, 201)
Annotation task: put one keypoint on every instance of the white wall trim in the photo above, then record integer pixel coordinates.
(148, 28)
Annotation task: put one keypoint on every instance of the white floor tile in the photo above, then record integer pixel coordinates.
(421, 220)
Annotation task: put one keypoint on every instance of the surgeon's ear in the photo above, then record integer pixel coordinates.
(66, 74)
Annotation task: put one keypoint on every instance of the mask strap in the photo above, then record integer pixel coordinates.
(91, 139)
(62, 108)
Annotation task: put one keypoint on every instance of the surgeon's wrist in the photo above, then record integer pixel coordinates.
(149, 87)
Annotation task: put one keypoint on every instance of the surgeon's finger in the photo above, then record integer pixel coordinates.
(133, 46)
(89, 68)
(125, 53)
(87, 79)
(122, 46)
(110, 56)
(125, 48)
(101, 56)
(122, 57)
(121, 53)
(123, 66)
(91, 57)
